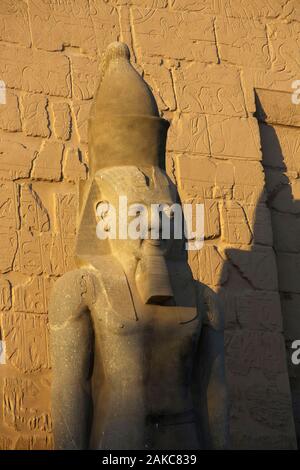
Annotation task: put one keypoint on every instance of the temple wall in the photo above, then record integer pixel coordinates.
(222, 73)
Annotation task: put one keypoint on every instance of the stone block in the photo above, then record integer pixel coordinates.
(234, 137)
(14, 22)
(256, 264)
(82, 111)
(284, 47)
(63, 23)
(85, 77)
(276, 107)
(235, 228)
(242, 42)
(15, 160)
(35, 117)
(62, 120)
(35, 71)
(188, 133)
(74, 168)
(288, 272)
(48, 163)
(10, 113)
(209, 88)
(24, 407)
(106, 23)
(286, 230)
(259, 219)
(177, 35)
(159, 78)
(27, 342)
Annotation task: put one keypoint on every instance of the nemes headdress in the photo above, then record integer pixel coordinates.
(124, 126)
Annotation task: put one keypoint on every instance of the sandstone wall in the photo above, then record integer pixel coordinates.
(204, 59)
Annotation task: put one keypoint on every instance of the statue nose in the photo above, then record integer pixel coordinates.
(155, 227)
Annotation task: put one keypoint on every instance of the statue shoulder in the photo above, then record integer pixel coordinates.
(71, 293)
(78, 282)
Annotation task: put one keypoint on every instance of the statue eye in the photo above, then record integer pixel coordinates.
(102, 209)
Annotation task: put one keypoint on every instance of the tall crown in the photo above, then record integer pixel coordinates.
(124, 125)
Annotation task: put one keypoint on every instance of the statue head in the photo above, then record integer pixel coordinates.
(127, 158)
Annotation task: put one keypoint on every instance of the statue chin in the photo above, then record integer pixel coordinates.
(152, 280)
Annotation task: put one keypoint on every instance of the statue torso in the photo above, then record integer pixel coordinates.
(142, 373)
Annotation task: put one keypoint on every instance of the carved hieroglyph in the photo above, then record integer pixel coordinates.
(203, 78)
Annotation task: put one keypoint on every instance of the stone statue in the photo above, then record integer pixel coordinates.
(137, 351)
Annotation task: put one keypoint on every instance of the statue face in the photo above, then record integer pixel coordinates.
(130, 200)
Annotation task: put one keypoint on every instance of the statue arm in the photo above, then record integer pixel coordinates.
(210, 370)
(71, 335)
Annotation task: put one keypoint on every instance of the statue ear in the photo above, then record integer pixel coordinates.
(87, 242)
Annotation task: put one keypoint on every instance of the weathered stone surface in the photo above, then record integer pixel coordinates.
(10, 113)
(212, 227)
(284, 44)
(106, 23)
(73, 167)
(58, 24)
(286, 196)
(276, 107)
(35, 115)
(5, 443)
(14, 22)
(35, 71)
(203, 6)
(33, 253)
(9, 242)
(195, 175)
(63, 242)
(288, 272)
(280, 146)
(5, 294)
(15, 160)
(85, 77)
(234, 137)
(250, 349)
(256, 9)
(21, 410)
(62, 120)
(26, 337)
(33, 215)
(236, 45)
(159, 77)
(9, 202)
(32, 296)
(235, 228)
(193, 39)
(48, 163)
(259, 219)
(188, 133)
(34, 442)
(257, 265)
(81, 111)
(208, 266)
(207, 88)
(286, 229)
(249, 182)
(224, 180)
(251, 310)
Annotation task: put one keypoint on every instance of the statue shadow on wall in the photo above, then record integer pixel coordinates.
(248, 299)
